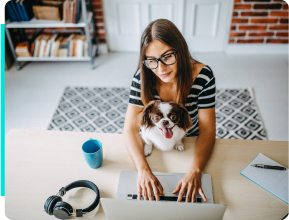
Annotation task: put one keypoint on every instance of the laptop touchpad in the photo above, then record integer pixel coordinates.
(169, 183)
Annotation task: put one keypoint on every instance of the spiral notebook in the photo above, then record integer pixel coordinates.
(274, 181)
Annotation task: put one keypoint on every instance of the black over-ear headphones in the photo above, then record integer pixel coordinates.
(62, 210)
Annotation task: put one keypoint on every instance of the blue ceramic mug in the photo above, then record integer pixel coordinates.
(92, 152)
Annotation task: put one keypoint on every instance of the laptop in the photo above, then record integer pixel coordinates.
(126, 205)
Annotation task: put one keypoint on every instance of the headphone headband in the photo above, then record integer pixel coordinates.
(82, 183)
(62, 210)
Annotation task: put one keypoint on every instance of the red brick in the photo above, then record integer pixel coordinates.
(236, 1)
(102, 34)
(233, 27)
(96, 1)
(96, 6)
(267, 6)
(98, 13)
(242, 6)
(254, 41)
(99, 21)
(282, 34)
(264, 20)
(256, 0)
(240, 20)
(231, 40)
(235, 13)
(237, 34)
(99, 28)
(284, 20)
(254, 13)
(285, 6)
(278, 27)
(253, 27)
(261, 34)
(277, 41)
(101, 40)
(279, 13)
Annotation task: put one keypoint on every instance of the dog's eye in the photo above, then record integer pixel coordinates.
(173, 117)
(156, 118)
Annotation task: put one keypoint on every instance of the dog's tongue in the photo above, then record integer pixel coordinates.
(167, 132)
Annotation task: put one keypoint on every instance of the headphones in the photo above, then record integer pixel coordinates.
(62, 210)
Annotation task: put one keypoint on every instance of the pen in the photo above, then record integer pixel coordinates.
(268, 167)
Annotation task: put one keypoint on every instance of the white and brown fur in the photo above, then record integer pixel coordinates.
(158, 115)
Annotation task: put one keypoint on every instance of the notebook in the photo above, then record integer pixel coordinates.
(274, 181)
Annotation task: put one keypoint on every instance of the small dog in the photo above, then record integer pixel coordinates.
(164, 124)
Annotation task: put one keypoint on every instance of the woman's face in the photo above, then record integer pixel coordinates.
(157, 49)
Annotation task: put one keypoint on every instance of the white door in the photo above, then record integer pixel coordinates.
(126, 20)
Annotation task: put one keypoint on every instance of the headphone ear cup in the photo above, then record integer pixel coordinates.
(62, 210)
(50, 202)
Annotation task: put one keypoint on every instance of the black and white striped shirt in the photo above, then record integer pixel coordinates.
(201, 96)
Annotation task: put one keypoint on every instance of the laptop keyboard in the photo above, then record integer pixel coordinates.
(162, 198)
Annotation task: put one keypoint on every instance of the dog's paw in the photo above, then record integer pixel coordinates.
(180, 147)
(148, 149)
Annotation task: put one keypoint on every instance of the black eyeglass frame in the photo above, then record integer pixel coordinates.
(160, 59)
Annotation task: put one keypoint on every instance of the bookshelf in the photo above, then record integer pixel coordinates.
(84, 22)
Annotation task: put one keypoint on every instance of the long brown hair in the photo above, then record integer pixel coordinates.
(166, 32)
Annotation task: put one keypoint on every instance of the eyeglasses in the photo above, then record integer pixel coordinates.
(168, 59)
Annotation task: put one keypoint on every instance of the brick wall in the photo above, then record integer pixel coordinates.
(99, 20)
(259, 21)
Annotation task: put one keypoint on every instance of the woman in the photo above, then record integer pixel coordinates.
(167, 72)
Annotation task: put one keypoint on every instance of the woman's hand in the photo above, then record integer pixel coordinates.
(190, 183)
(148, 186)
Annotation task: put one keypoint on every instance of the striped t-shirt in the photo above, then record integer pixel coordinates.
(201, 96)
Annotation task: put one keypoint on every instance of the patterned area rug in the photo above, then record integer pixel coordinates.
(103, 110)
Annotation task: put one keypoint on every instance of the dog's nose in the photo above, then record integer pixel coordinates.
(165, 122)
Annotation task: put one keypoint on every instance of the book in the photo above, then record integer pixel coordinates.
(69, 45)
(74, 11)
(65, 11)
(32, 49)
(78, 11)
(56, 44)
(11, 12)
(19, 10)
(36, 45)
(22, 49)
(274, 181)
(43, 44)
(80, 46)
(63, 48)
(50, 44)
(85, 48)
(16, 13)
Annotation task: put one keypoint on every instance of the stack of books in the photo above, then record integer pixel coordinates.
(71, 11)
(19, 10)
(74, 45)
(22, 49)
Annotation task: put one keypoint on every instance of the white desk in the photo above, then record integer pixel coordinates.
(39, 163)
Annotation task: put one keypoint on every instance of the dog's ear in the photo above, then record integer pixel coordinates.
(145, 120)
(185, 119)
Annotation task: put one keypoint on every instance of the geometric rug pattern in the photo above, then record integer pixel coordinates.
(237, 115)
(102, 110)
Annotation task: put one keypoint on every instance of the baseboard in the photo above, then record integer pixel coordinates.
(257, 49)
(103, 49)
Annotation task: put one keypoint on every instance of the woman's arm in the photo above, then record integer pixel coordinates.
(148, 184)
(203, 149)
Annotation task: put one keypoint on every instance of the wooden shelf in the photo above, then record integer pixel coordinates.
(37, 23)
(53, 58)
